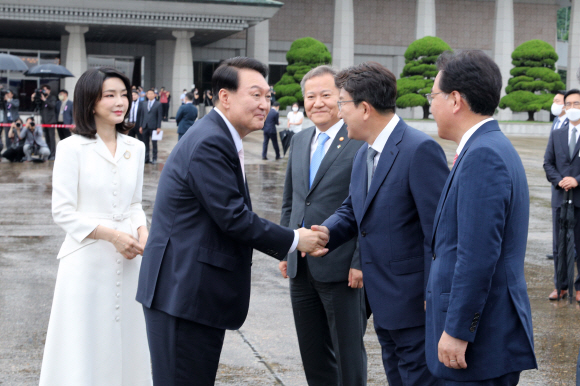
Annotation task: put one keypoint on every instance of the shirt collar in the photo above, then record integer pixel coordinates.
(188, 102)
(330, 132)
(381, 140)
(233, 131)
(469, 133)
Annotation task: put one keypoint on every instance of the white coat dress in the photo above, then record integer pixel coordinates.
(96, 333)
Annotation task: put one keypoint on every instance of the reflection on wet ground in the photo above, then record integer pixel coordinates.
(29, 242)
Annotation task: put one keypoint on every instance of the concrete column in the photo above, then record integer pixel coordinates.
(343, 37)
(504, 46)
(425, 24)
(76, 55)
(574, 47)
(182, 68)
(258, 42)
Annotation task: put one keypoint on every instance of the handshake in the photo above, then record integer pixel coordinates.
(313, 241)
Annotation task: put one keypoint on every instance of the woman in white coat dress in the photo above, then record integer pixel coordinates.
(96, 333)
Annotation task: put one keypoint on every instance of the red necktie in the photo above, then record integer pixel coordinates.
(455, 158)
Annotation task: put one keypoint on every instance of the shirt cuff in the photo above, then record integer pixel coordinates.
(295, 242)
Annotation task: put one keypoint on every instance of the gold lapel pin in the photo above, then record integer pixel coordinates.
(341, 139)
(127, 154)
(339, 146)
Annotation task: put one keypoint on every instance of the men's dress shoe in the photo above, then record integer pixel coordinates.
(550, 257)
(147, 162)
(277, 158)
(154, 162)
(554, 294)
(264, 158)
(578, 296)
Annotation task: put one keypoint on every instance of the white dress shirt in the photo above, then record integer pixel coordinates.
(560, 121)
(469, 133)
(381, 140)
(240, 150)
(134, 108)
(331, 135)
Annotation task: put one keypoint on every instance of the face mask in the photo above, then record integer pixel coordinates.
(573, 114)
(556, 109)
(295, 109)
(61, 97)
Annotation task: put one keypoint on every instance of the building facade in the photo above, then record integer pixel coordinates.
(175, 44)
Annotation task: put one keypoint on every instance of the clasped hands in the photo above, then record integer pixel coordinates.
(313, 241)
(568, 183)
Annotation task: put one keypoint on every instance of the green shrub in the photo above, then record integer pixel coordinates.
(419, 72)
(534, 80)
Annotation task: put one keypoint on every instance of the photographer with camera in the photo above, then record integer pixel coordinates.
(33, 141)
(15, 152)
(10, 107)
(47, 108)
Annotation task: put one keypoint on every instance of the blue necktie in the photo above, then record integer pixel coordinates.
(317, 156)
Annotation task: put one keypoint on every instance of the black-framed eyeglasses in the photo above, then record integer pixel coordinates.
(340, 103)
(431, 95)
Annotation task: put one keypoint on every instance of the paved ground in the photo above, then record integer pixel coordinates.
(265, 350)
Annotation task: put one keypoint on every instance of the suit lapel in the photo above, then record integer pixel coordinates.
(485, 128)
(103, 151)
(331, 155)
(305, 157)
(386, 160)
(563, 141)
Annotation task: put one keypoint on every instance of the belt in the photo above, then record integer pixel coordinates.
(114, 217)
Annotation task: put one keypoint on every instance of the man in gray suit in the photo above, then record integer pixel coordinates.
(327, 295)
(151, 116)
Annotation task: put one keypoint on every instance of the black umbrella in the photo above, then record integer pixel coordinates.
(566, 250)
(49, 71)
(285, 137)
(12, 63)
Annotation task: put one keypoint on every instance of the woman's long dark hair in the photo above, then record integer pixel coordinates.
(88, 91)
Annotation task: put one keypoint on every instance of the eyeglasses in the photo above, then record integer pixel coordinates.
(575, 104)
(340, 103)
(430, 96)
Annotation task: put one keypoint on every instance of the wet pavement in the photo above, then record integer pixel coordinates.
(265, 350)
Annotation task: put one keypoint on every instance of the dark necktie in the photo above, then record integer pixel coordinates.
(371, 153)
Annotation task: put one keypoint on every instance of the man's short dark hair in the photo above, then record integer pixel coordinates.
(226, 75)
(152, 90)
(474, 75)
(189, 96)
(88, 91)
(561, 92)
(45, 85)
(64, 91)
(275, 104)
(370, 82)
(570, 92)
(135, 92)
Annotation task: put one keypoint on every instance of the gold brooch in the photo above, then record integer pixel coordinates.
(341, 139)
(127, 155)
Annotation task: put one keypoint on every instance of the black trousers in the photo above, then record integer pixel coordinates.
(556, 234)
(183, 352)
(404, 357)
(270, 137)
(14, 154)
(510, 379)
(330, 321)
(165, 108)
(62, 132)
(147, 138)
(49, 137)
(134, 132)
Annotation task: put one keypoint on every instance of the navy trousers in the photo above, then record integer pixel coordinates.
(404, 357)
(183, 352)
(270, 137)
(510, 379)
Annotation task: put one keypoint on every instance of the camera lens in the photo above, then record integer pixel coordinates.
(17, 124)
(31, 124)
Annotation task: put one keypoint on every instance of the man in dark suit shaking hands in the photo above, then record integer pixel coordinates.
(151, 115)
(396, 181)
(479, 321)
(327, 296)
(195, 274)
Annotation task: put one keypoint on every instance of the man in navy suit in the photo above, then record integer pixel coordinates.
(186, 115)
(64, 111)
(151, 115)
(195, 274)
(270, 132)
(560, 121)
(395, 185)
(479, 321)
(562, 166)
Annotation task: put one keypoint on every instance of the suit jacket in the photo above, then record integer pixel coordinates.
(477, 290)
(565, 123)
(271, 122)
(196, 264)
(67, 114)
(185, 117)
(557, 164)
(138, 116)
(151, 119)
(313, 205)
(48, 110)
(12, 108)
(394, 223)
